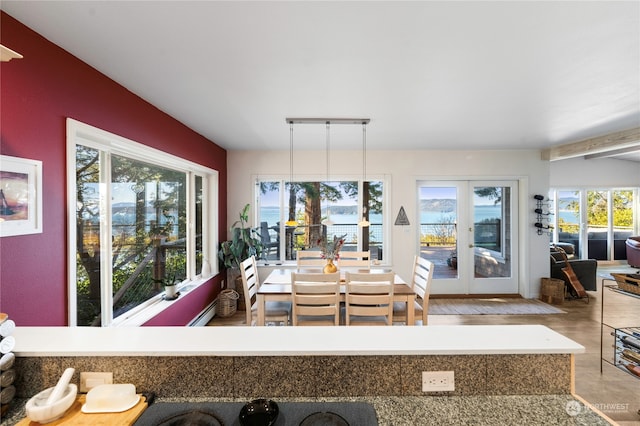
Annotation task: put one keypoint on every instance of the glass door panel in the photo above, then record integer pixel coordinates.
(438, 208)
(494, 238)
(468, 229)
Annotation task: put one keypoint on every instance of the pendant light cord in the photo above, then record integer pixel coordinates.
(291, 222)
(328, 220)
(291, 153)
(328, 150)
(364, 222)
(364, 152)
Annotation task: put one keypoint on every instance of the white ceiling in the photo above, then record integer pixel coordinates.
(429, 75)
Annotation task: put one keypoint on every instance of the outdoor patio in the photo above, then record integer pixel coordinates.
(439, 255)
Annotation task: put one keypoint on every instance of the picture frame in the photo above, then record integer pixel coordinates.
(20, 196)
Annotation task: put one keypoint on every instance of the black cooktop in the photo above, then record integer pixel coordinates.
(290, 414)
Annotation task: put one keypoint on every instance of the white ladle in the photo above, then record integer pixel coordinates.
(61, 386)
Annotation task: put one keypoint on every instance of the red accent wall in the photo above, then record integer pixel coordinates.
(37, 94)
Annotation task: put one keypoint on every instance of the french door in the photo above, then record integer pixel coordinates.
(468, 229)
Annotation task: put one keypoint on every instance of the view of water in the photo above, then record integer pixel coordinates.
(272, 216)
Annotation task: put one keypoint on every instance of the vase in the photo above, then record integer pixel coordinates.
(330, 267)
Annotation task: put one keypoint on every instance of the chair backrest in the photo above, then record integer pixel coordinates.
(422, 276)
(250, 284)
(369, 298)
(360, 259)
(316, 299)
(309, 258)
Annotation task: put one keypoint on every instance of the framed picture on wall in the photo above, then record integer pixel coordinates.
(20, 196)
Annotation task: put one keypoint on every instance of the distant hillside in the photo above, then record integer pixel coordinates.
(346, 210)
(445, 205)
(435, 206)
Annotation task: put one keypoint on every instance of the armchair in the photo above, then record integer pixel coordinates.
(585, 270)
(633, 251)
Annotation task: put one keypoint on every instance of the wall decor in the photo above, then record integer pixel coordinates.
(20, 196)
(402, 218)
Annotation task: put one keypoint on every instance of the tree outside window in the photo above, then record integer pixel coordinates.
(311, 204)
(131, 233)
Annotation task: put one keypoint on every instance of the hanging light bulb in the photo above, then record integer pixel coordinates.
(364, 222)
(328, 221)
(291, 222)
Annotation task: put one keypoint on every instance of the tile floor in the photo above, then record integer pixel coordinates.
(613, 392)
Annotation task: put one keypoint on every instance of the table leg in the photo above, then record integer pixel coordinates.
(260, 302)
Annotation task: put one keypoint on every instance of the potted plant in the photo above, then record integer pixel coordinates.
(170, 287)
(245, 242)
(170, 283)
(452, 260)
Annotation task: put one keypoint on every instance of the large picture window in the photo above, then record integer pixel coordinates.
(320, 209)
(596, 221)
(139, 224)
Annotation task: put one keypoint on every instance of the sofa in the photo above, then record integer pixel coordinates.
(585, 270)
(633, 251)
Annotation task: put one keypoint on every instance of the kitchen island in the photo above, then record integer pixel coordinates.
(384, 365)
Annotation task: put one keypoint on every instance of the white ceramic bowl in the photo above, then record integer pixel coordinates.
(38, 411)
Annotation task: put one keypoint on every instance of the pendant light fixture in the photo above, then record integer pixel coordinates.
(364, 222)
(327, 122)
(292, 222)
(328, 221)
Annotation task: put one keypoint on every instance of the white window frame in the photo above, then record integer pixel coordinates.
(584, 227)
(79, 133)
(283, 179)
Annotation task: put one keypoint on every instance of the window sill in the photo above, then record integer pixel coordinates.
(156, 305)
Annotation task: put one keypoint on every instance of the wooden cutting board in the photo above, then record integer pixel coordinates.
(75, 416)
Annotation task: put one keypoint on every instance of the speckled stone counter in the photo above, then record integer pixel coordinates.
(470, 410)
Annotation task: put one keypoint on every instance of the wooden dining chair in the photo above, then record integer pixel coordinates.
(316, 299)
(359, 259)
(369, 299)
(278, 312)
(421, 278)
(309, 259)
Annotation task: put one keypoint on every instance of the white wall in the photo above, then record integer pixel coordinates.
(596, 173)
(405, 168)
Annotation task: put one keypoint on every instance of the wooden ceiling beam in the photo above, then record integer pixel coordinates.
(625, 139)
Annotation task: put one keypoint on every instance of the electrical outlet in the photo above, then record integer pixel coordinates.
(438, 381)
(90, 380)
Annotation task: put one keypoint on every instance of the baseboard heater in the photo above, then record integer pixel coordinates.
(205, 316)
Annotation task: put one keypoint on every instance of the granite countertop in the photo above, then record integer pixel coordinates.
(451, 410)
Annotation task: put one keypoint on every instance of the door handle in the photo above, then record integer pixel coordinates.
(471, 246)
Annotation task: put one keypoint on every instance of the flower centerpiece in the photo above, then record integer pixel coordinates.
(330, 250)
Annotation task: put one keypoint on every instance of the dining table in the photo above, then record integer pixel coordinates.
(277, 287)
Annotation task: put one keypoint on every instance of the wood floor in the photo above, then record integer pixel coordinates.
(613, 392)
